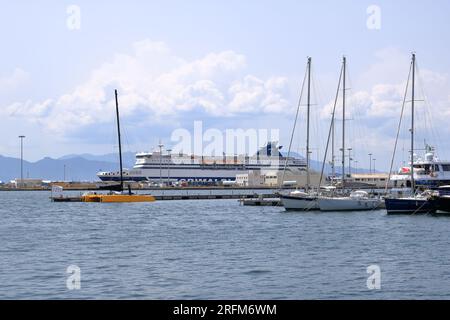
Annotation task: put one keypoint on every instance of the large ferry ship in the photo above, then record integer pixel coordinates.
(163, 166)
(429, 172)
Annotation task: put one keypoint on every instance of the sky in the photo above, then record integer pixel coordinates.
(229, 64)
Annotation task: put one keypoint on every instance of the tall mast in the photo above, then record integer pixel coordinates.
(333, 170)
(412, 121)
(308, 177)
(331, 126)
(120, 144)
(343, 121)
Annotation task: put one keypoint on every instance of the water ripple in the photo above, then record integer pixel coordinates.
(215, 250)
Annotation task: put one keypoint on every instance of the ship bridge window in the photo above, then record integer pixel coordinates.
(427, 168)
(446, 167)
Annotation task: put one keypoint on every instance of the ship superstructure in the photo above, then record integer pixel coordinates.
(429, 172)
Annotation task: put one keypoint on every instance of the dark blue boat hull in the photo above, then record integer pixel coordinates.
(409, 206)
(442, 203)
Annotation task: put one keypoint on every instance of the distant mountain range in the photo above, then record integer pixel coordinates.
(317, 165)
(84, 167)
(128, 158)
(77, 167)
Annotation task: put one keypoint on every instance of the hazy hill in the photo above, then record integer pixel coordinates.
(128, 158)
(77, 168)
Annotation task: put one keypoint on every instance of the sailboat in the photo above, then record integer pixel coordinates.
(357, 200)
(299, 200)
(416, 203)
(117, 193)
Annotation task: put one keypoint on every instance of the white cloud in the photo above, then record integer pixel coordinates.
(374, 104)
(154, 82)
(28, 109)
(14, 80)
(157, 86)
(255, 95)
(380, 90)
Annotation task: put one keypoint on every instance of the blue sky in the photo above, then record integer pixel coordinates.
(226, 58)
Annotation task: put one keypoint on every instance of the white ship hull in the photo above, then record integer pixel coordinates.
(174, 174)
(300, 203)
(347, 204)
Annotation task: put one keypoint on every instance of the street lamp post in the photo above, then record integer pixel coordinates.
(370, 163)
(356, 165)
(374, 171)
(21, 159)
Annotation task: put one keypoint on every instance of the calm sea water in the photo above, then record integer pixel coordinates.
(215, 250)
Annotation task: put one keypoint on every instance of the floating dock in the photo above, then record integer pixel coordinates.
(250, 197)
(210, 196)
(267, 202)
(66, 199)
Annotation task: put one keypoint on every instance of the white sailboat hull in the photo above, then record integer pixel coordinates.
(347, 204)
(300, 203)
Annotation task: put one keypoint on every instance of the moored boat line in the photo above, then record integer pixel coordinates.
(335, 197)
(331, 201)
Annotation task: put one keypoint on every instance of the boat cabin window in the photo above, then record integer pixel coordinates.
(427, 168)
(446, 167)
